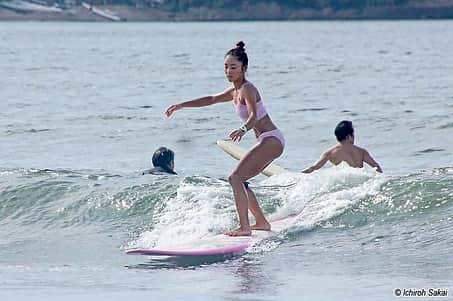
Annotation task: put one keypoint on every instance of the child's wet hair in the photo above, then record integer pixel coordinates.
(163, 157)
(344, 129)
(239, 53)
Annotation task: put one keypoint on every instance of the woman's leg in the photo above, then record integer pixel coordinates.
(261, 222)
(252, 164)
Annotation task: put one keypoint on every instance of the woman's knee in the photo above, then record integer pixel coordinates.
(235, 178)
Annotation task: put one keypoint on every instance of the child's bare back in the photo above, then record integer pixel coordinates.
(345, 151)
(351, 154)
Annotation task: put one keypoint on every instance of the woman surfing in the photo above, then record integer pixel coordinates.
(270, 141)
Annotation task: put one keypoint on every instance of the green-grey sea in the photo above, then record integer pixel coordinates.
(81, 112)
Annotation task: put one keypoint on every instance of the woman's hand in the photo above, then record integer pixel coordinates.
(236, 135)
(172, 108)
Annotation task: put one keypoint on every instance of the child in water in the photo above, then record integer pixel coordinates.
(163, 161)
(345, 150)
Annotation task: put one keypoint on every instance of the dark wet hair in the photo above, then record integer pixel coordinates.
(343, 130)
(239, 53)
(163, 157)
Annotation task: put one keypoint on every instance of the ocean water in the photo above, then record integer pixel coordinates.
(81, 112)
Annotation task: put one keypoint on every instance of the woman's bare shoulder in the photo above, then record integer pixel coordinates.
(249, 89)
(248, 85)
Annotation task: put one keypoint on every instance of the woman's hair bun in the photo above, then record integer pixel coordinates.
(240, 45)
(239, 53)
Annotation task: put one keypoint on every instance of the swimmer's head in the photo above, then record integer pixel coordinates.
(344, 130)
(236, 62)
(165, 158)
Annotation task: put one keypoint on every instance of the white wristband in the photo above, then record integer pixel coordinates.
(243, 129)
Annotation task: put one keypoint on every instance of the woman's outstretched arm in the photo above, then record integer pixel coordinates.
(226, 95)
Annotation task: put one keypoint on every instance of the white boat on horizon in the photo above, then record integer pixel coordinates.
(25, 6)
(102, 13)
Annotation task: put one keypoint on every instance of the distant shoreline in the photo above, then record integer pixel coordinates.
(262, 13)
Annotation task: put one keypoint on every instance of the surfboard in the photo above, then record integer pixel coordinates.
(210, 247)
(238, 153)
(220, 244)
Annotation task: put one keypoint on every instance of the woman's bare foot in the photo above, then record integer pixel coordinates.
(239, 232)
(262, 227)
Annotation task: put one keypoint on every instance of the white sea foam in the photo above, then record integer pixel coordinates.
(203, 210)
(324, 194)
(195, 212)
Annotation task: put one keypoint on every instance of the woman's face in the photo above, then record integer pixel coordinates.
(234, 70)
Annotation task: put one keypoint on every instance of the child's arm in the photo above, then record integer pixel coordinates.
(370, 161)
(320, 163)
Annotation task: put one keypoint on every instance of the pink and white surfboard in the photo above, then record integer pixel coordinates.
(216, 245)
(225, 250)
